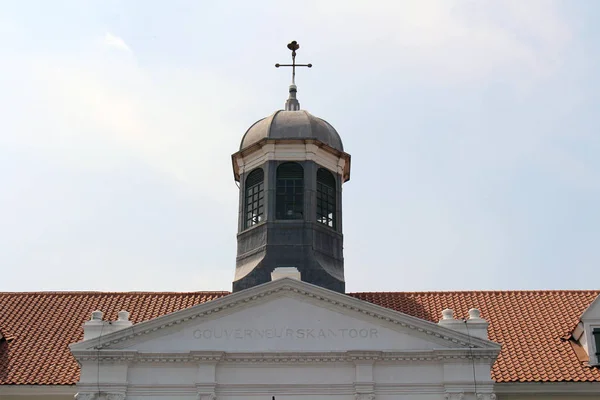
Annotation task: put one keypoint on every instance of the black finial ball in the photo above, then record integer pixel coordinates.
(293, 46)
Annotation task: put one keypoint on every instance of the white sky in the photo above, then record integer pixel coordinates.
(472, 125)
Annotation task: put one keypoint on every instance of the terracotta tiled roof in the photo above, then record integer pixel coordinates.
(530, 325)
(42, 325)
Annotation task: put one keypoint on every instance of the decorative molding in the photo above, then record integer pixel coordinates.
(112, 356)
(448, 355)
(294, 152)
(486, 396)
(100, 396)
(242, 298)
(134, 356)
(85, 396)
(454, 396)
(291, 150)
(206, 396)
(261, 389)
(364, 396)
(432, 388)
(319, 390)
(115, 396)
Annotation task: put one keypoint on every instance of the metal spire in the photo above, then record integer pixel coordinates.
(292, 103)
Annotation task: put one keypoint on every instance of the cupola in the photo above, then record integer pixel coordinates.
(290, 167)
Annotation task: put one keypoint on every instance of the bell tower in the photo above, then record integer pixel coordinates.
(290, 167)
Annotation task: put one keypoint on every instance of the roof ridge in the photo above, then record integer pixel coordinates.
(484, 291)
(175, 293)
(88, 292)
(271, 119)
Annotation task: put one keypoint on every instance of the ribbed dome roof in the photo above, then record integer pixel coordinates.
(297, 124)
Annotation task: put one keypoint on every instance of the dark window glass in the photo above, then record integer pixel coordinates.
(290, 191)
(254, 206)
(596, 333)
(326, 197)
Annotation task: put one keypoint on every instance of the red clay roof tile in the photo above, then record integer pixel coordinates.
(530, 325)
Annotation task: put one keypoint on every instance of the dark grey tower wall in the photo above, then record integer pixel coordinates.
(315, 249)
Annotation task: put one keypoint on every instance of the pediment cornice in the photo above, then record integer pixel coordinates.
(287, 287)
(116, 356)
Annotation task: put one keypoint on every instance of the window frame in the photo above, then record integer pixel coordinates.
(254, 202)
(326, 199)
(596, 340)
(289, 192)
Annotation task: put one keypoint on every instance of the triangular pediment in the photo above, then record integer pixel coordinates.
(285, 316)
(592, 313)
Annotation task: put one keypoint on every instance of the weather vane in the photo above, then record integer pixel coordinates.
(293, 46)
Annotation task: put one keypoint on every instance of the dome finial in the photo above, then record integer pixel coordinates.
(292, 103)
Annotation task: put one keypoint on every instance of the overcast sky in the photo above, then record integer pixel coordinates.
(473, 128)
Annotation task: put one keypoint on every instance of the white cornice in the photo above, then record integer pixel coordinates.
(291, 150)
(446, 355)
(243, 298)
(320, 389)
(283, 389)
(354, 356)
(568, 388)
(549, 388)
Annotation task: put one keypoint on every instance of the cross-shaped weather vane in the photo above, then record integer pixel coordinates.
(293, 46)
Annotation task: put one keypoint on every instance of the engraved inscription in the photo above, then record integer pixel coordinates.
(285, 333)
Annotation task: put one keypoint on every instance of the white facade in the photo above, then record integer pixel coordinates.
(287, 339)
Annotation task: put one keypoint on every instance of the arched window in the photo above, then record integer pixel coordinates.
(290, 191)
(254, 204)
(326, 197)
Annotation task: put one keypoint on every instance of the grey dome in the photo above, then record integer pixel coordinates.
(292, 125)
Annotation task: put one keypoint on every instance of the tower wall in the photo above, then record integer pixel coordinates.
(313, 247)
(316, 254)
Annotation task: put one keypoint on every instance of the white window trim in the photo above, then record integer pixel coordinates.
(592, 340)
(588, 342)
